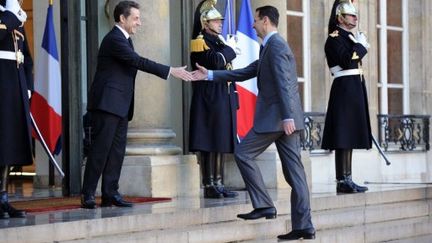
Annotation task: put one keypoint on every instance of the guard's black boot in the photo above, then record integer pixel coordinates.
(207, 170)
(4, 198)
(212, 192)
(343, 173)
(3, 187)
(345, 186)
(357, 187)
(219, 170)
(3, 214)
(7, 208)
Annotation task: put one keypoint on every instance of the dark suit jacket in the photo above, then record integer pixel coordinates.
(278, 96)
(114, 84)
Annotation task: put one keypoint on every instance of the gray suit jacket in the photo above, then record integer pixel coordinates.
(278, 96)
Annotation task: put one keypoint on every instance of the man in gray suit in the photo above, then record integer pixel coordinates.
(278, 118)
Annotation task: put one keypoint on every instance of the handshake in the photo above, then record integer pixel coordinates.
(360, 37)
(14, 7)
(181, 73)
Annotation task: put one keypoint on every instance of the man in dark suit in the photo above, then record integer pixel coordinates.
(111, 104)
(278, 118)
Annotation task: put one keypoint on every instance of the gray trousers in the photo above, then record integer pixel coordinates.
(288, 148)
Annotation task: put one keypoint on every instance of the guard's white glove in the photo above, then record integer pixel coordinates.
(29, 93)
(232, 42)
(14, 7)
(361, 38)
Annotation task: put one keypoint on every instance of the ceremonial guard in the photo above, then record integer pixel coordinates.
(15, 91)
(214, 105)
(347, 124)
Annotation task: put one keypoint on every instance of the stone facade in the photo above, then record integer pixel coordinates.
(158, 133)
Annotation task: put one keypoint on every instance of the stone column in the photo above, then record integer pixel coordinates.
(153, 164)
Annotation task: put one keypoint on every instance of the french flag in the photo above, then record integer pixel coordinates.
(46, 99)
(247, 42)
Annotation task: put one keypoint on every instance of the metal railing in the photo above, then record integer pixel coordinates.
(403, 132)
(396, 133)
(311, 138)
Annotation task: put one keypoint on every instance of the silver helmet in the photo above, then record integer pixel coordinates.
(209, 12)
(345, 7)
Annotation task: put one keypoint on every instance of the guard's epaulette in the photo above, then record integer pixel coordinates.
(3, 27)
(198, 44)
(334, 34)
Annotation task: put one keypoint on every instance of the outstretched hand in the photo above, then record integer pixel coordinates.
(200, 74)
(181, 73)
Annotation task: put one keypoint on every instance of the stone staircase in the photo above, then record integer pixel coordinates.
(401, 214)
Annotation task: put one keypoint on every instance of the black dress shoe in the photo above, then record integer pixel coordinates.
(227, 193)
(306, 234)
(268, 213)
(115, 200)
(88, 201)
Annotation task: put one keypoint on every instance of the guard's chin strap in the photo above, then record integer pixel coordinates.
(212, 30)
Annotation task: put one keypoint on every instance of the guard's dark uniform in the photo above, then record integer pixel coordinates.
(15, 136)
(213, 107)
(347, 124)
(15, 126)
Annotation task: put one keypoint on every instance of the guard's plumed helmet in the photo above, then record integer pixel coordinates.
(209, 12)
(340, 7)
(345, 7)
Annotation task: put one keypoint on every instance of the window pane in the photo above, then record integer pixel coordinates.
(394, 13)
(295, 40)
(294, 5)
(394, 57)
(379, 55)
(379, 100)
(395, 98)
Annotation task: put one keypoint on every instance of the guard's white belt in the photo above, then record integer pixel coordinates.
(8, 55)
(337, 72)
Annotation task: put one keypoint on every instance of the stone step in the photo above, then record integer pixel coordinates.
(419, 239)
(197, 220)
(363, 230)
(395, 231)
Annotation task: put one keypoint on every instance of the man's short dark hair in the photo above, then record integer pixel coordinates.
(271, 12)
(123, 8)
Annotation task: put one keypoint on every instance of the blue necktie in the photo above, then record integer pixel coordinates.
(130, 42)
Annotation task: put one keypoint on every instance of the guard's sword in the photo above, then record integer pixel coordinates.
(45, 146)
(380, 150)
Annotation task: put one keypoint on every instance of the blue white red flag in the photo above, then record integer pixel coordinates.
(249, 52)
(46, 100)
(228, 27)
